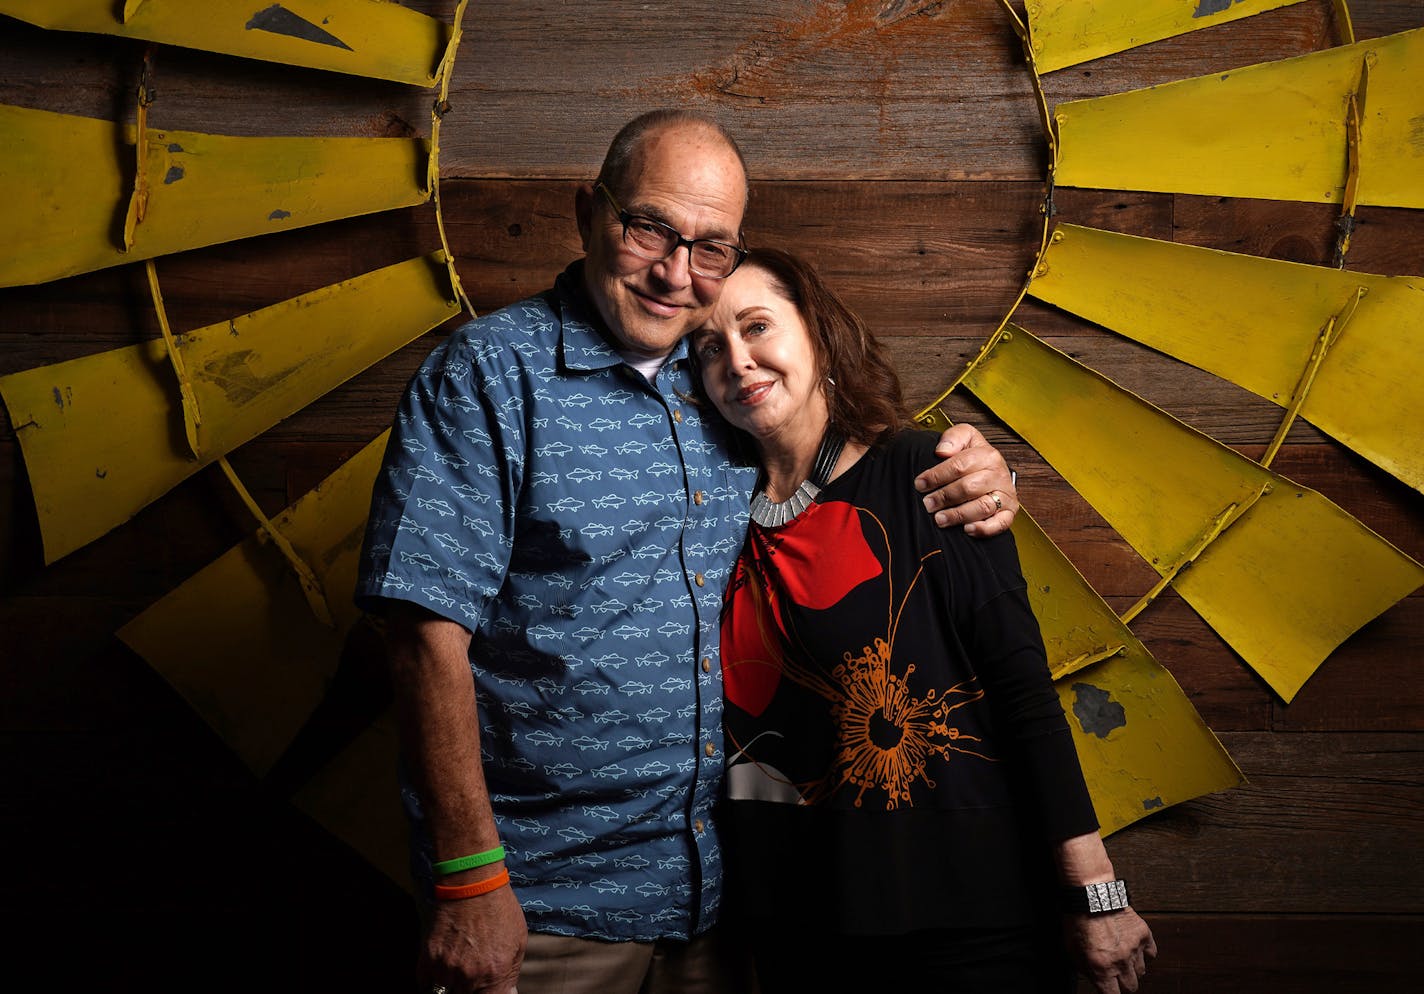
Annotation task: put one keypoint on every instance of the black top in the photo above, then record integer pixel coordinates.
(898, 757)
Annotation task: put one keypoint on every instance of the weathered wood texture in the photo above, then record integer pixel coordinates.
(895, 143)
(1249, 954)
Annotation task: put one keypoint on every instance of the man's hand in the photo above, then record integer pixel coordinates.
(1110, 950)
(475, 945)
(972, 487)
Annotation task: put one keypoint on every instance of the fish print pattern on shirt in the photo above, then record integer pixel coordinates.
(582, 524)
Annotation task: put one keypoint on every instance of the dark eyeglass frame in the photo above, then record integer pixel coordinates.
(739, 254)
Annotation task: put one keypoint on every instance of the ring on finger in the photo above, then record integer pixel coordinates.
(998, 504)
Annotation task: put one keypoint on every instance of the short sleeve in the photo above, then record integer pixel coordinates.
(442, 508)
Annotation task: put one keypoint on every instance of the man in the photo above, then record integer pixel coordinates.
(555, 516)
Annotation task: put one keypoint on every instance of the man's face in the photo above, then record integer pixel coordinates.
(686, 177)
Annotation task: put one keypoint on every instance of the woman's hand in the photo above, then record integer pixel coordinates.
(1111, 950)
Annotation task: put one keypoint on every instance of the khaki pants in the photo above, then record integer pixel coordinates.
(709, 964)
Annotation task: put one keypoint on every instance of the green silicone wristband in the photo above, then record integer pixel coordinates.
(448, 866)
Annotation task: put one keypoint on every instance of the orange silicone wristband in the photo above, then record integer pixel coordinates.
(448, 892)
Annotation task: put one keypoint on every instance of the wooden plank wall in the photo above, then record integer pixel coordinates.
(894, 141)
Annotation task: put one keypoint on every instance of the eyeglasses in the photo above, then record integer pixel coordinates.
(655, 241)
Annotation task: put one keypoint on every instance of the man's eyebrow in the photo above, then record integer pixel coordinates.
(656, 214)
(650, 212)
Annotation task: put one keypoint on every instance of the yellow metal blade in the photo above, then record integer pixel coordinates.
(356, 797)
(1067, 32)
(1282, 574)
(1142, 745)
(70, 180)
(1275, 131)
(358, 37)
(238, 640)
(1256, 322)
(241, 645)
(103, 436)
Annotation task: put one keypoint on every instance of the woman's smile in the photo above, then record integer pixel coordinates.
(755, 393)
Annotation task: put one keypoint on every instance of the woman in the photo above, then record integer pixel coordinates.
(907, 808)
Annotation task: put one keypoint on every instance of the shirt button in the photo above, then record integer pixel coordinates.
(697, 498)
(677, 416)
(706, 664)
(698, 579)
(711, 750)
(697, 826)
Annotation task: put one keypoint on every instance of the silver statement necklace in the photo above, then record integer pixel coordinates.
(773, 514)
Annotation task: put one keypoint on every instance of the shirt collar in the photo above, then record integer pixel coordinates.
(584, 343)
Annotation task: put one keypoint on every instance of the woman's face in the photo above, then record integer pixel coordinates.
(758, 363)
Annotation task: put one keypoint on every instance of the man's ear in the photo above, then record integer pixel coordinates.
(583, 212)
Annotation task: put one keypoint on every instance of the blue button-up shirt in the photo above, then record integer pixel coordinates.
(582, 523)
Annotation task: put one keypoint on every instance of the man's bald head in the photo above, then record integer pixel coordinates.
(623, 150)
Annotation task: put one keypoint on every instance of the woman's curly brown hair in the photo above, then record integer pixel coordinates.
(864, 396)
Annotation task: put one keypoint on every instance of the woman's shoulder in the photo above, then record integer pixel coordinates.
(888, 490)
(915, 443)
(909, 450)
(887, 471)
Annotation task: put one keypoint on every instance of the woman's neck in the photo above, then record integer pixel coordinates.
(786, 467)
(787, 463)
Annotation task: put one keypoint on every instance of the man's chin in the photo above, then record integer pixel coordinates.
(653, 335)
(652, 345)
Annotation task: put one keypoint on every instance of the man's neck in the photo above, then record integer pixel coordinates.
(647, 365)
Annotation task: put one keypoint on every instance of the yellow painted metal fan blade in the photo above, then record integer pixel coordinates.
(1275, 131)
(103, 436)
(1067, 32)
(71, 180)
(1142, 744)
(358, 37)
(241, 645)
(1282, 574)
(356, 797)
(1256, 323)
(238, 639)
